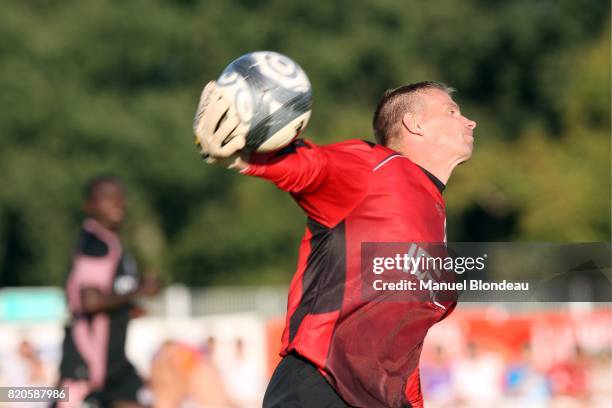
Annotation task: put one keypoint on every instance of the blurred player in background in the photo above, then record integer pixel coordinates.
(339, 347)
(102, 287)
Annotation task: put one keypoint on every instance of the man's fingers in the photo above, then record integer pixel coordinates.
(217, 126)
(226, 128)
(203, 103)
(213, 112)
(225, 146)
(210, 86)
(234, 145)
(213, 143)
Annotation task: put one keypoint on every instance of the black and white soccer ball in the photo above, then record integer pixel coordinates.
(271, 95)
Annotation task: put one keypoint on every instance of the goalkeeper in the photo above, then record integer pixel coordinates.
(339, 348)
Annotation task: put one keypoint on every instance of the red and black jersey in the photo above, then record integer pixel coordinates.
(355, 192)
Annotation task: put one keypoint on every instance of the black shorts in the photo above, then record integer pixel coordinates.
(122, 387)
(297, 383)
(122, 382)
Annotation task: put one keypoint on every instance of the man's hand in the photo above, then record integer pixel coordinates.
(215, 127)
(149, 286)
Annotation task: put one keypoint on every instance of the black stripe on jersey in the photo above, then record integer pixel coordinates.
(371, 144)
(324, 278)
(291, 148)
(91, 245)
(438, 183)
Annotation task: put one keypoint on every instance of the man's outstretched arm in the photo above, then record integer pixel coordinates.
(325, 181)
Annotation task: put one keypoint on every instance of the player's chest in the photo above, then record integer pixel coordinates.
(402, 212)
(126, 276)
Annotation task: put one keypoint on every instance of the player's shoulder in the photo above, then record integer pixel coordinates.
(348, 152)
(346, 145)
(356, 148)
(360, 150)
(358, 145)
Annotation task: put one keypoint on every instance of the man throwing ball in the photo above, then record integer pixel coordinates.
(340, 348)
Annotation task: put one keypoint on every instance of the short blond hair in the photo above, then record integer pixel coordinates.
(395, 103)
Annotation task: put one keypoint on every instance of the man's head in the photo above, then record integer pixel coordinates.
(105, 201)
(423, 118)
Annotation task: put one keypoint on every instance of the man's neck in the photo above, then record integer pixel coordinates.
(442, 170)
(441, 167)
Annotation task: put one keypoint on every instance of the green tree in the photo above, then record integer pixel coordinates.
(96, 86)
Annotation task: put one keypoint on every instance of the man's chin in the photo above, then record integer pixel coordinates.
(466, 156)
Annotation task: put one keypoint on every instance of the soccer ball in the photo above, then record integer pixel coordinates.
(271, 95)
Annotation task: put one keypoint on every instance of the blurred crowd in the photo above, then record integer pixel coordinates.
(480, 376)
(181, 375)
(468, 371)
(26, 366)
(187, 376)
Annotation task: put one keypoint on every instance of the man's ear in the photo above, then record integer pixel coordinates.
(411, 122)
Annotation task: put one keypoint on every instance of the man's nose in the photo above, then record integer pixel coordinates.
(470, 123)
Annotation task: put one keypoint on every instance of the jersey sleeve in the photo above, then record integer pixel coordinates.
(326, 181)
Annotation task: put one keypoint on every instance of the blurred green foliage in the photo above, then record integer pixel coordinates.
(94, 86)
